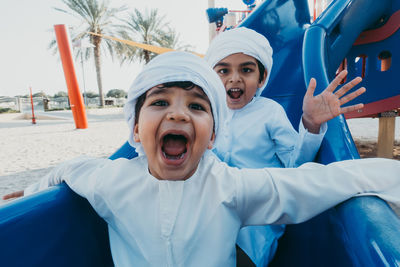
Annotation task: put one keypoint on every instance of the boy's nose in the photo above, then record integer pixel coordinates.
(178, 115)
(235, 77)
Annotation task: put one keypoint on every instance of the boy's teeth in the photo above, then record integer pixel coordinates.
(235, 93)
(174, 145)
(174, 157)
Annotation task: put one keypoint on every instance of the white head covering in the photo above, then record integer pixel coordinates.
(241, 40)
(172, 67)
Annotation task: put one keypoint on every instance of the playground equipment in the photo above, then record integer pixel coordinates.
(59, 228)
(217, 15)
(75, 97)
(33, 110)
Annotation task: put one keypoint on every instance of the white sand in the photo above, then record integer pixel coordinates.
(29, 151)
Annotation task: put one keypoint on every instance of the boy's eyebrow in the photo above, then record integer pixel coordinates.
(200, 94)
(248, 63)
(196, 93)
(224, 64)
(156, 91)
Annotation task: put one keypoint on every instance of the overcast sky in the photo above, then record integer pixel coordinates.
(26, 28)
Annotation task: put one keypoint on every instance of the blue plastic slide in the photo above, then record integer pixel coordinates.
(58, 228)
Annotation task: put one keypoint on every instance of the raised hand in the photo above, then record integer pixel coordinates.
(328, 104)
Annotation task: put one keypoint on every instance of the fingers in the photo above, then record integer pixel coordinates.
(311, 88)
(13, 195)
(336, 82)
(351, 108)
(345, 88)
(353, 95)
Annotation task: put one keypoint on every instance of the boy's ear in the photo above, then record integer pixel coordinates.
(211, 142)
(264, 78)
(136, 133)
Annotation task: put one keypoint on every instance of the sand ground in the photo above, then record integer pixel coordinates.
(28, 151)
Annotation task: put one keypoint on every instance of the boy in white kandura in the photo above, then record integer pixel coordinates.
(259, 132)
(177, 204)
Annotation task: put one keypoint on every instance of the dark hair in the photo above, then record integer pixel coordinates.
(261, 68)
(186, 85)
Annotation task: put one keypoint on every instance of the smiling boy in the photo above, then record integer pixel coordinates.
(176, 127)
(177, 204)
(235, 67)
(259, 132)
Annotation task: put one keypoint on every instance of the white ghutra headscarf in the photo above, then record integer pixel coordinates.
(173, 67)
(241, 40)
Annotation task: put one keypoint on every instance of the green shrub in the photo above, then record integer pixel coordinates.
(7, 110)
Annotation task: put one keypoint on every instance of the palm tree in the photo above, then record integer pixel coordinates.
(96, 16)
(148, 28)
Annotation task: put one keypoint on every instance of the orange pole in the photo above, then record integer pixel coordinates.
(33, 112)
(315, 10)
(74, 94)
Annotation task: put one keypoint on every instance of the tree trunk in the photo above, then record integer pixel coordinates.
(97, 63)
(146, 56)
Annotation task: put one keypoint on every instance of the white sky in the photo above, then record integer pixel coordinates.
(26, 29)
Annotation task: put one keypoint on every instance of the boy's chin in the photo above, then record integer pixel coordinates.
(235, 104)
(173, 172)
(176, 175)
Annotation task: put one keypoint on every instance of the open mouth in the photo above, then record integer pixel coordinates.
(174, 146)
(235, 93)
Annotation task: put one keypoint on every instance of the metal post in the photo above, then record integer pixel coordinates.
(83, 77)
(33, 112)
(211, 27)
(387, 123)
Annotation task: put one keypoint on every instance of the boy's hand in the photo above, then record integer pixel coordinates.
(14, 195)
(327, 105)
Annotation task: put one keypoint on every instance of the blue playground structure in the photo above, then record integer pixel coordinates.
(58, 228)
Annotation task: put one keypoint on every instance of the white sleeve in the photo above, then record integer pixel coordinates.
(308, 144)
(75, 172)
(276, 195)
(285, 138)
(294, 148)
(83, 176)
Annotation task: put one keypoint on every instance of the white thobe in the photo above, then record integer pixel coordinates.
(260, 135)
(195, 222)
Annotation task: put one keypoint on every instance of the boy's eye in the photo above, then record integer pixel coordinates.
(247, 70)
(196, 106)
(160, 103)
(222, 71)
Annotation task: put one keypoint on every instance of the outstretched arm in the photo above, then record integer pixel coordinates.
(69, 170)
(294, 195)
(328, 104)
